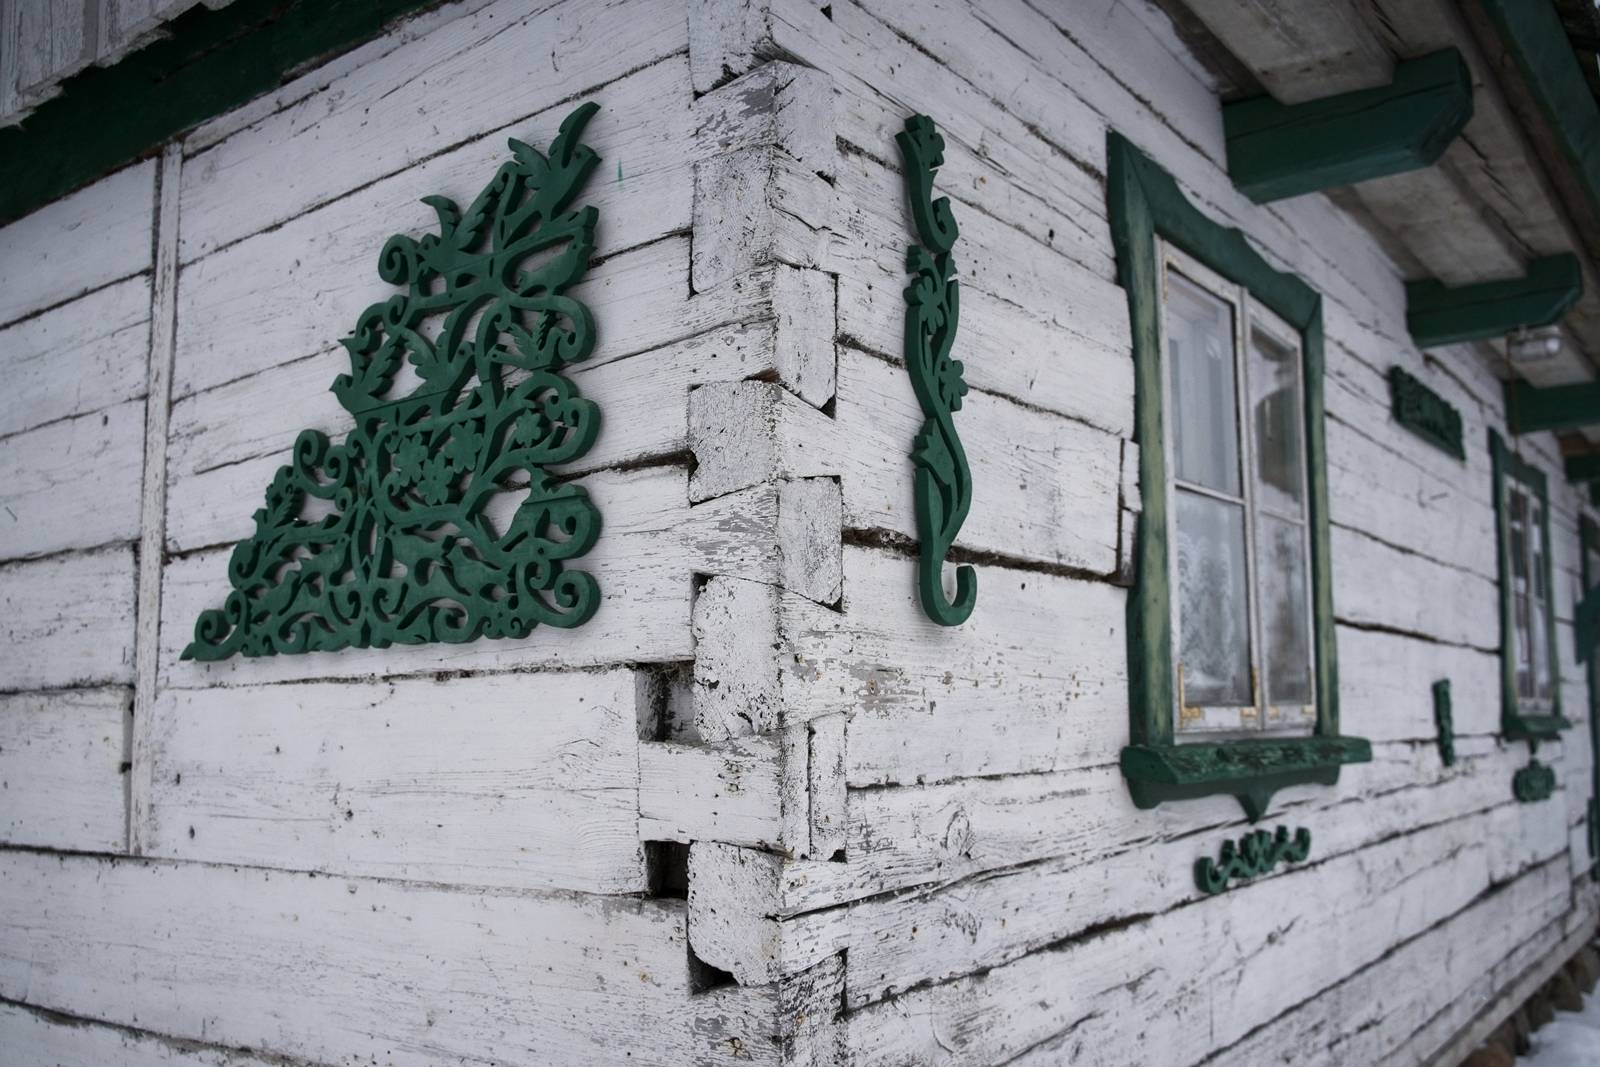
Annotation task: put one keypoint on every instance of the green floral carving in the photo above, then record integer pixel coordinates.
(1253, 855)
(436, 517)
(943, 480)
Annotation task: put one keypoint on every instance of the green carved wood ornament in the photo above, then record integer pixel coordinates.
(436, 517)
(943, 479)
(1533, 783)
(1253, 855)
(1444, 722)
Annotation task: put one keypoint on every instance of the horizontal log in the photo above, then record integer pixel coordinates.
(322, 955)
(532, 785)
(62, 760)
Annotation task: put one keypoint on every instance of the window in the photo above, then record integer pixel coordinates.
(1232, 668)
(1240, 545)
(1530, 672)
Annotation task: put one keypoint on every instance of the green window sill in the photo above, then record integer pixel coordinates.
(1250, 770)
(1534, 727)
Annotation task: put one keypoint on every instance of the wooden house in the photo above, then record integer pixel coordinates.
(911, 532)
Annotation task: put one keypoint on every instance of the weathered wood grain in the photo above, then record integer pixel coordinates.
(446, 88)
(229, 328)
(522, 781)
(82, 242)
(68, 620)
(306, 966)
(73, 484)
(61, 768)
(34, 1038)
(929, 703)
(79, 357)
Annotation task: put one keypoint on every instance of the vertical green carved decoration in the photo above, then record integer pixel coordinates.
(1254, 854)
(436, 517)
(1444, 722)
(943, 479)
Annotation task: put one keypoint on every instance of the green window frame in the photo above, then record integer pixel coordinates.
(1518, 487)
(1148, 212)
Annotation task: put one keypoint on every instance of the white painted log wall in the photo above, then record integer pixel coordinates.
(445, 853)
(1000, 899)
(442, 853)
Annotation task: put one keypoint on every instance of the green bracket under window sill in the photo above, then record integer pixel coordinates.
(1533, 783)
(1280, 150)
(1250, 771)
(1438, 314)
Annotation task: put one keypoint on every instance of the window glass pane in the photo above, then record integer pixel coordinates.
(1538, 623)
(1275, 414)
(1213, 609)
(1205, 443)
(1285, 617)
(1521, 606)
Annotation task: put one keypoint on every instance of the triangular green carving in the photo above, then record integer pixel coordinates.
(435, 518)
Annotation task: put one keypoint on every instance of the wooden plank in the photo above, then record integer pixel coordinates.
(529, 782)
(932, 703)
(728, 792)
(1377, 584)
(1045, 488)
(446, 88)
(1271, 958)
(61, 769)
(229, 327)
(73, 484)
(305, 966)
(1280, 150)
(34, 1038)
(80, 243)
(68, 620)
(79, 357)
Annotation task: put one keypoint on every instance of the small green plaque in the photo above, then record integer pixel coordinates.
(1253, 855)
(1425, 413)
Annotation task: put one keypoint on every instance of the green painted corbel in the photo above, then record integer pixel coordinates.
(1556, 407)
(933, 306)
(1582, 468)
(1280, 150)
(1437, 314)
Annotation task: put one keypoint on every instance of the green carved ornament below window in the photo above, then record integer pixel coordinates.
(933, 306)
(436, 518)
(1254, 854)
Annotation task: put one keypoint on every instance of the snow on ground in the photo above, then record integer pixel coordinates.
(1572, 1040)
